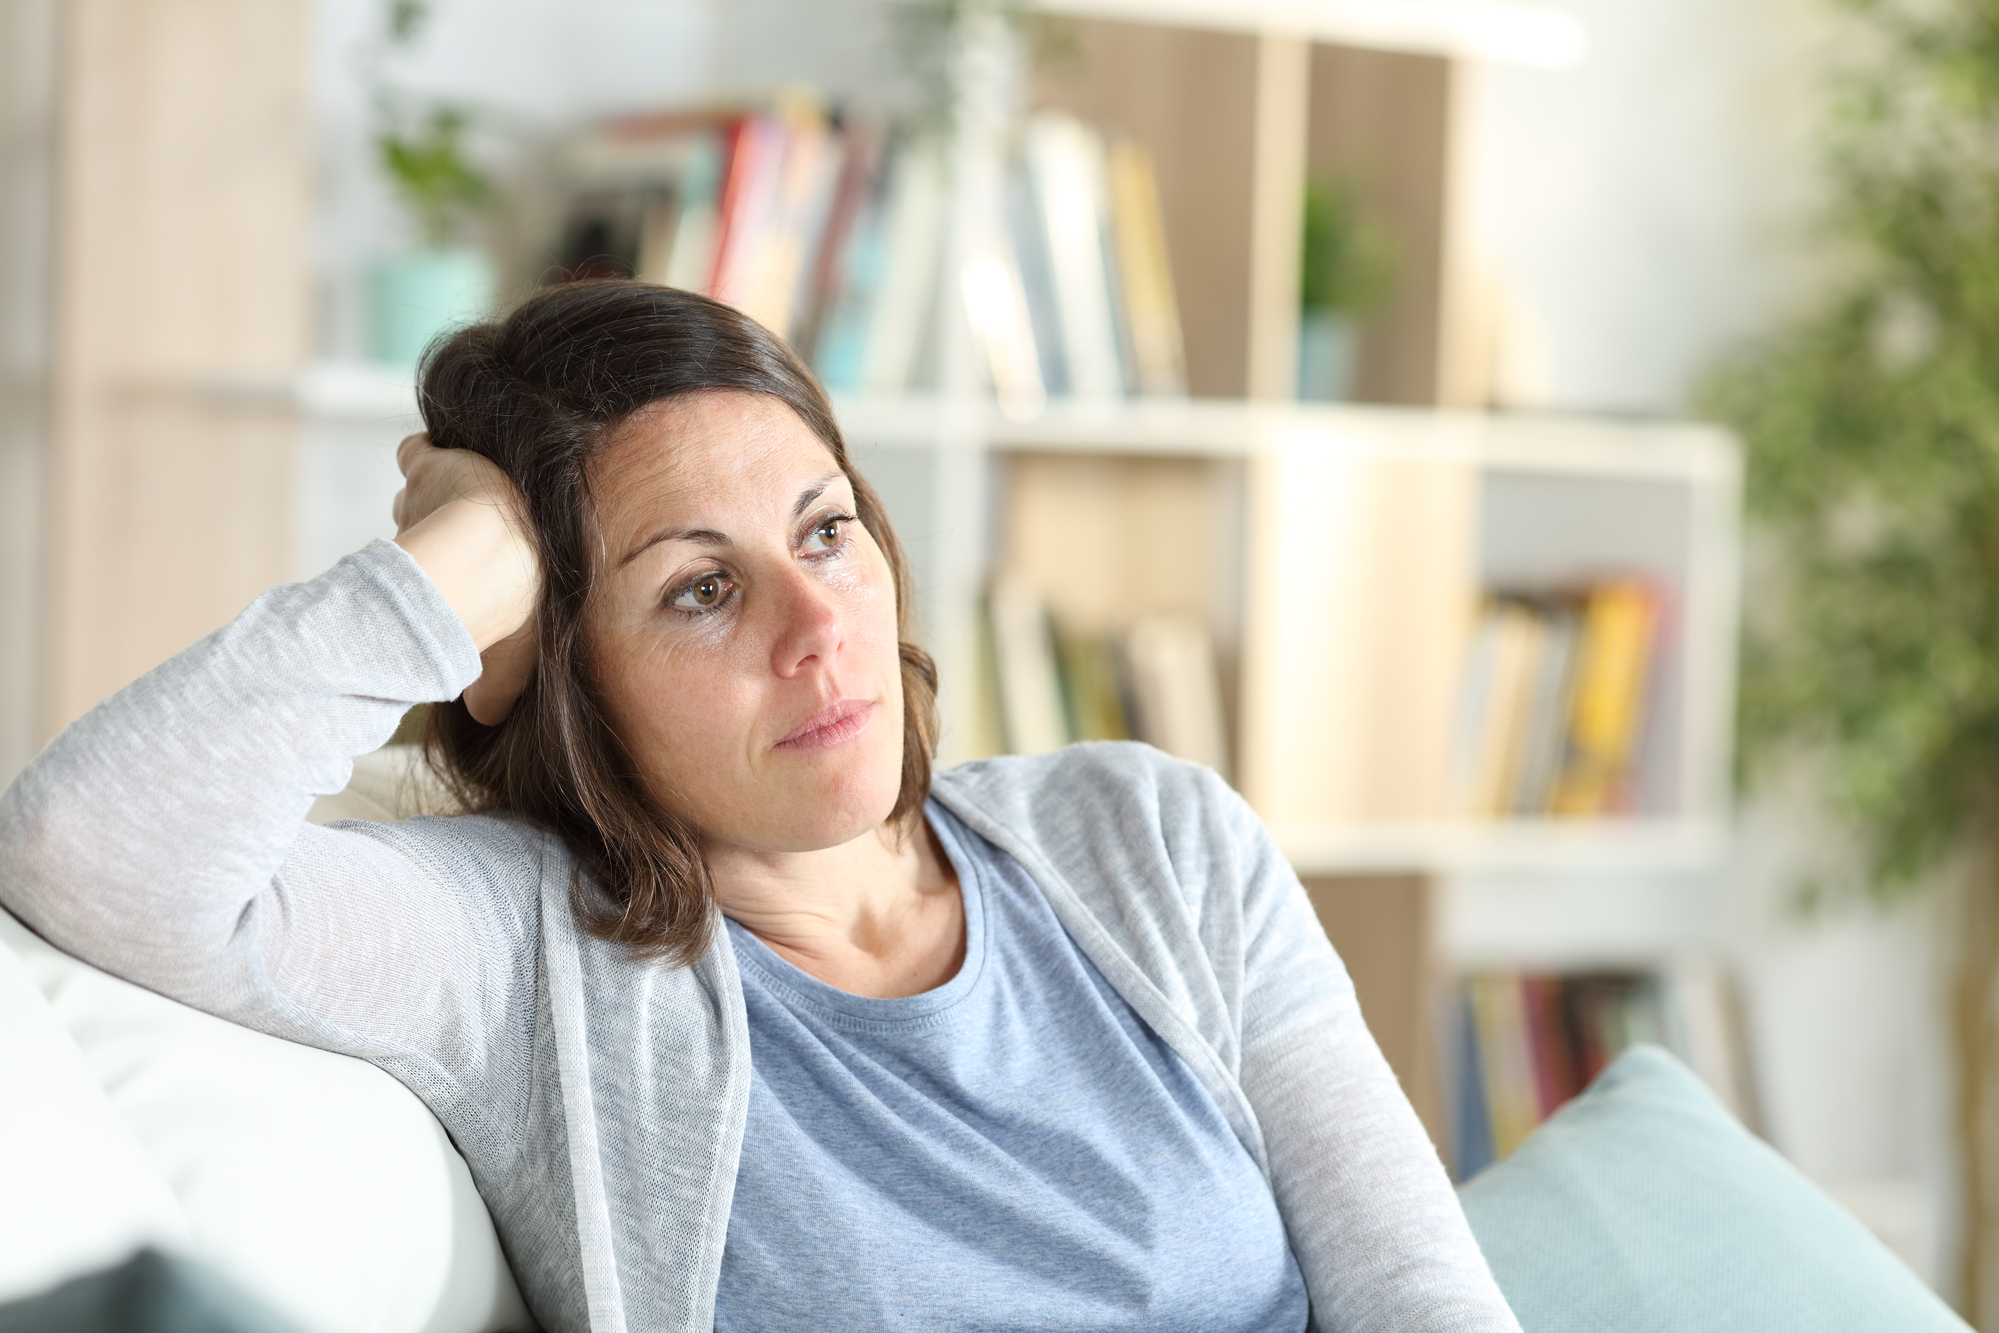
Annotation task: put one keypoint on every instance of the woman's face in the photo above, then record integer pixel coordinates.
(743, 626)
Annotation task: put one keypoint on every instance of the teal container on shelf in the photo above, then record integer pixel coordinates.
(415, 296)
(1327, 348)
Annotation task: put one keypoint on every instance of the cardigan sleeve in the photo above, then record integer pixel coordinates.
(1373, 1220)
(162, 836)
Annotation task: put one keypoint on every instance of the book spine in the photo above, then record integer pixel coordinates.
(1618, 628)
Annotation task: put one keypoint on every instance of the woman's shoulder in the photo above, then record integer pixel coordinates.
(1097, 798)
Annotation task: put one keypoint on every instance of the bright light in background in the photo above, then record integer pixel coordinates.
(1498, 31)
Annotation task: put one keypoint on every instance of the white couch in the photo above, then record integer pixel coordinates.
(314, 1180)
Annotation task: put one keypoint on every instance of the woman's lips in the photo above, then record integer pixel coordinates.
(835, 724)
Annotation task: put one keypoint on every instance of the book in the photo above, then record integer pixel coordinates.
(1096, 687)
(1037, 279)
(1067, 181)
(832, 233)
(839, 349)
(1547, 705)
(1472, 1123)
(1498, 683)
(749, 190)
(912, 256)
(1176, 696)
(852, 196)
(1506, 1059)
(1159, 353)
(1612, 671)
(1033, 714)
(1530, 1041)
(690, 262)
(996, 306)
(1552, 701)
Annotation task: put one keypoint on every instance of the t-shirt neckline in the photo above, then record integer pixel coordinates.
(801, 987)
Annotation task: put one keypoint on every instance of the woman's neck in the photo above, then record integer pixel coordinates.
(880, 915)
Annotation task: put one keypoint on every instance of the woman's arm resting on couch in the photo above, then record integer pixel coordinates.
(162, 835)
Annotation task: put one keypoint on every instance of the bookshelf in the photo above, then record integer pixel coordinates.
(1265, 504)
(1336, 554)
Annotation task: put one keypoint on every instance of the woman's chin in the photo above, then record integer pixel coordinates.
(811, 807)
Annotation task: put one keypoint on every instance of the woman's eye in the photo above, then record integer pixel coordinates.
(701, 594)
(827, 534)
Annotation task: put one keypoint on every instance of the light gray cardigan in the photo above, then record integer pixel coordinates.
(600, 1100)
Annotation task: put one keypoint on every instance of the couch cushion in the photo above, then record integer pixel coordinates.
(149, 1293)
(1644, 1205)
(315, 1180)
(77, 1191)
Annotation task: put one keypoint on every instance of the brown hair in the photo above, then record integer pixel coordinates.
(541, 392)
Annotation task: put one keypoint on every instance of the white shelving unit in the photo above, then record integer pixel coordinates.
(1552, 501)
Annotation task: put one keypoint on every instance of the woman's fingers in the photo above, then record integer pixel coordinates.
(433, 478)
(408, 451)
(507, 667)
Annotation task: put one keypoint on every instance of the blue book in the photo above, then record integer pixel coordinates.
(1474, 1121)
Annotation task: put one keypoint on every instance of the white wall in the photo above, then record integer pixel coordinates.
(1643, 211)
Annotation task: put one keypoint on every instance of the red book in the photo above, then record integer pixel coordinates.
(1554, 1063)
(729, 202)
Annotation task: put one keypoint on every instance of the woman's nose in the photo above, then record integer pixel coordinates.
(809, 626)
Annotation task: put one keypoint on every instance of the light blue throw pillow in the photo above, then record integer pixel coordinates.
(1644, 1205)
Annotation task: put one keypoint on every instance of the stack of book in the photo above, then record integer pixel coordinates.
(1529, 1041)
(833, 235)
(1154, 681)
(1555, 696)
(1088, 266)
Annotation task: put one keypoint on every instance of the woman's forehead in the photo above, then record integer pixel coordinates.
(710, 449)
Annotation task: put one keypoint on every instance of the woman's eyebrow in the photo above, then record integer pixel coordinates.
(710, 537)
(700, 536)
(813, 492)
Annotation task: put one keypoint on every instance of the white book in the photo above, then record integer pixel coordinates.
(690, 263)
(1178, 696)
(1547, 724)
(917, 211)
(1030, 688)
(996, 306)
(1066, 167)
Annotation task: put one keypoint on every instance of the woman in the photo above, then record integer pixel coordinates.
(737, 1017)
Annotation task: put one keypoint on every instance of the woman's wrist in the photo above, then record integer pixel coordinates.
(482, 564)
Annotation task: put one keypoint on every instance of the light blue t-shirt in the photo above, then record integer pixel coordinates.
(1013, 1150)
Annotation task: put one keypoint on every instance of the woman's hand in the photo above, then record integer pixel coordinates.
(463, 521)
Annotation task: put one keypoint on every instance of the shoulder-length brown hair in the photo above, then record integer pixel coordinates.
(540, 392)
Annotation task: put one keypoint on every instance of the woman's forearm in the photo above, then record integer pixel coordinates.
(1374, 1224)
(142, 835)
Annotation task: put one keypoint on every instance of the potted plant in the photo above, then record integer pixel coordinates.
(1872, 433)
(1347, 269)
(444, 280)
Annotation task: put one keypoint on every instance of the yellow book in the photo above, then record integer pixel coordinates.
(1152, 313)
(1620, 623)
(1506, 1060)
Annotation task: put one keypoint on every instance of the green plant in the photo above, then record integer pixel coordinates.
(1872, 431)
(421, 146)
(426, 161)
(1348, 262)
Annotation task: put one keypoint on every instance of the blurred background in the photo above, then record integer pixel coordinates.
(1546, 455)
